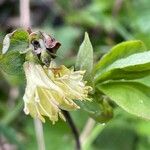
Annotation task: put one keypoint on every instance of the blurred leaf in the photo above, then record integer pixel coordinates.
(9, 117)
(118, 52)
(85, 19)
(125, 132)
(94, 14)
(122, 30)
(140, 14)
(11, 135)
(135, 17)
(85, 56)
(66, 35)
(133, 97)
(143, 143)
(56, 136)
(116, 136)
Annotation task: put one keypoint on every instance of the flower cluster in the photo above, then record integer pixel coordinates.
(52, 89)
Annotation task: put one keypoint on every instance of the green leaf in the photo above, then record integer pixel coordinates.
(16, 41)
(145, 80)
(120, 51)
(11, 66)
(134, 60)
(133, 97)
(12, 63)
(100, 112)
(131, 67)
(85, 56)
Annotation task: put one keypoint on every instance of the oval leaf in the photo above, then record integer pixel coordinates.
(131, 67)
(120, 51)
(12, 63)
(85, 56)
(133, 97)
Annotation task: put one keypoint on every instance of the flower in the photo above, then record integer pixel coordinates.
(52, 89)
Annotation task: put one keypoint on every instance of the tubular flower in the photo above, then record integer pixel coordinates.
(52, 89)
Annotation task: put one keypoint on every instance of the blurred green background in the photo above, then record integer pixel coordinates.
(108, 22)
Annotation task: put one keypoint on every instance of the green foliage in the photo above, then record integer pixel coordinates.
(123, 74)
(128, 60)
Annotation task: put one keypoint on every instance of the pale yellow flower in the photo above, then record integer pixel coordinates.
(50, 89)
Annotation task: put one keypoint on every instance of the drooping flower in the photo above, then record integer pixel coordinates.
(52, 89)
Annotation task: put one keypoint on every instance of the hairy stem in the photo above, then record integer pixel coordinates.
(73, 128)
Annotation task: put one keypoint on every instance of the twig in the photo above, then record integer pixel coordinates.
(87, 130)
(73, 128)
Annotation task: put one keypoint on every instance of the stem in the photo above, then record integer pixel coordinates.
(25, 13)
(87, 130)
(73, 128)
(117, 7)
(25, 23)
(95, 132)
(39, 134)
